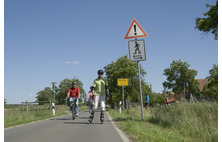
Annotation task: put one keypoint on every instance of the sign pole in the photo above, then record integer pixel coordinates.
(141, 98)
(123, 96)
(137, 50)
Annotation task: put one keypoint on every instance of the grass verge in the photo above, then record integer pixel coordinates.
(182, 122)
(15, 116)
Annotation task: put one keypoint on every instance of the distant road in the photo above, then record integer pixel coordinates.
(64, 129)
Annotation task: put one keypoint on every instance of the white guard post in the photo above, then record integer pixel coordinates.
(53, 109)
(120, 106)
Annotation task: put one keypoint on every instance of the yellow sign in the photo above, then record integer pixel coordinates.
(122, 82)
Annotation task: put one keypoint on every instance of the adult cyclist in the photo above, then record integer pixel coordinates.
(100, 90)
(73, 95)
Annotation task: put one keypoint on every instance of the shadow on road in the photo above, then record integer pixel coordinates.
(76, 122)
(83, 117)
(61, 119)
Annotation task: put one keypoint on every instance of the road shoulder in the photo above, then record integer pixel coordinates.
(125, 137)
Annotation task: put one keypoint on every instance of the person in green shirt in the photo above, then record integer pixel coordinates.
(100, 91)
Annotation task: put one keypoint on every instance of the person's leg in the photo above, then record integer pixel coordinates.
(90, 107)
(95, 104)
(70, 103)
(77, 105)
(102, 102)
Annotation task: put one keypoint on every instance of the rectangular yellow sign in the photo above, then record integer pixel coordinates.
(122, 82)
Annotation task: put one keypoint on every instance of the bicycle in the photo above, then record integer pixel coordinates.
(73, 110)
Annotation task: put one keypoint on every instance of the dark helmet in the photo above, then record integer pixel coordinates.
(100, 72)
(73, 83)
(91, 87)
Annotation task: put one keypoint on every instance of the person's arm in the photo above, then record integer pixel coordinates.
(94, 85)
(78, 93)
(107, 90)
(87, 97)
(68, 94)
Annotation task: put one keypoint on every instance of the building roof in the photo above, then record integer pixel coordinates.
(202, 83)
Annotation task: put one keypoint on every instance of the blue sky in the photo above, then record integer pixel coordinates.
(51, 40)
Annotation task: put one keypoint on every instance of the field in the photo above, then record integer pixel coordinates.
(17, 115)
(181, 122)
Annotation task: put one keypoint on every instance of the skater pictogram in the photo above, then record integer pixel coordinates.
(137, 48)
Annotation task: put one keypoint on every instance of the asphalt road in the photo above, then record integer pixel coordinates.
(64, 129)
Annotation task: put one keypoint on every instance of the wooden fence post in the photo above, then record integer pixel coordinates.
(37, 111)
(27, 109)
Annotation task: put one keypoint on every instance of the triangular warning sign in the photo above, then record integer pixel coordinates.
(135, 31)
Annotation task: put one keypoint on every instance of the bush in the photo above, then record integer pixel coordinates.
(181, 122)
(199, 120)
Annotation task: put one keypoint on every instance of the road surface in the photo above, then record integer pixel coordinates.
(64, 129)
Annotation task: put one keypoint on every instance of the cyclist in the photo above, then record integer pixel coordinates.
(147, 100)
(90, 98)
(100, 90)
(73, 95)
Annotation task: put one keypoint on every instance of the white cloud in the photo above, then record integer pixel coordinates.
(30, 95)
(67, 62)
(73, 62)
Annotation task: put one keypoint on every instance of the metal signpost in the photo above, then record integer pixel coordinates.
(122, 82)
(137, 50)
(53, 104)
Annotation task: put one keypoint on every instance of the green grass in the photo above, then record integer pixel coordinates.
(15, 115)
(182, 122)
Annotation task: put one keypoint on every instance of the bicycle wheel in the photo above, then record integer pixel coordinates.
(73, 112)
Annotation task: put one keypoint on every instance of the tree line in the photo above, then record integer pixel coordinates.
(179, 75)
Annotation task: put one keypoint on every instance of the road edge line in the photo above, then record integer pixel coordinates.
(122, 134)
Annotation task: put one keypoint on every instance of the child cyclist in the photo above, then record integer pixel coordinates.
(90, 98)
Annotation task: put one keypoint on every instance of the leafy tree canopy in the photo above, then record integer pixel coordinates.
(123, 68)
(179, 74)
(210, 23)
(211, 88)
(45, 95)
(60, 92)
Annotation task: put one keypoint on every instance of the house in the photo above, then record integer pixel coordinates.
(174, 97)
(202, 83)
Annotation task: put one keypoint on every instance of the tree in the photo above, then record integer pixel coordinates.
(5, 102)
(211, 88)
(45, 95)
(179, 74)
(210, 23)
(123, 68)
(64, 87)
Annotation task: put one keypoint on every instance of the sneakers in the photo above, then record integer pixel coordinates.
(77, 115)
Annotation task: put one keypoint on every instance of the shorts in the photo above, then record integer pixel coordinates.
(99, 99)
